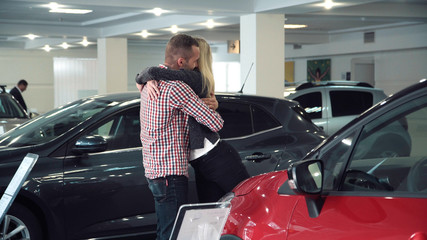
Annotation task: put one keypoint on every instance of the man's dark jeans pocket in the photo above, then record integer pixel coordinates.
(158, 188)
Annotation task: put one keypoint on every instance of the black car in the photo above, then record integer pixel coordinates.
(89, 179)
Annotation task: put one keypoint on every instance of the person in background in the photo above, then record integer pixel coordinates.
(17, 91)
(218, 166)
(164, 133)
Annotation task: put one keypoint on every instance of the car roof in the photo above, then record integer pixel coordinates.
(333, 83)
(253, 97)
(126, 96)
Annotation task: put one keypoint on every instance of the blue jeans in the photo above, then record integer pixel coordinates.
(169, 194)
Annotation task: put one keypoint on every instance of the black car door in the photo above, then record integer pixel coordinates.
(106, 193)
(254, 133)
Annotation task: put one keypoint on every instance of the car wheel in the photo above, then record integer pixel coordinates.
(20, 223)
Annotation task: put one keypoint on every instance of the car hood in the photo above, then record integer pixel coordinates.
(267, 182)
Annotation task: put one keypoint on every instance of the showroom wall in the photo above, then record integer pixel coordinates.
(399, 55)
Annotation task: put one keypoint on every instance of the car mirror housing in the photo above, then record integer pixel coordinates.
(90, 144)
(306, 178)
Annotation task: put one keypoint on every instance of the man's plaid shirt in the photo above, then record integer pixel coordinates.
(164, 128)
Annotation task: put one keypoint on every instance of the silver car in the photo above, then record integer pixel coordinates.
(333, 104)
(11, 113)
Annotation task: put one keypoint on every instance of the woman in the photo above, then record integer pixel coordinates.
(216, 163)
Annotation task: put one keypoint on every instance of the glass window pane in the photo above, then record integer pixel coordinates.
(345, 103)
(237, 120)
(334, 161)
(262, 120)
(312, 104)
(390, 154)
(122, 131)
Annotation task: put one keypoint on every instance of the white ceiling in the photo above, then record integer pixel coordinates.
(125, 18)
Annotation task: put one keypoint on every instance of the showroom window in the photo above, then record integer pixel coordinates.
(312, 104)
(346, 103)
(227, 76)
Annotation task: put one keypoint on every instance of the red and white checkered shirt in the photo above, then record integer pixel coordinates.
(164, 128)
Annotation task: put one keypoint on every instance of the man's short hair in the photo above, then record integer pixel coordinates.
(23, 82)
(181, 45)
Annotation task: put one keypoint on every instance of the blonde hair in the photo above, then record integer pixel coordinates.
(205, 66)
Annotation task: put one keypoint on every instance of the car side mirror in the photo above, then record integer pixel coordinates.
(33, 114)
(90, 144)
(306, 178)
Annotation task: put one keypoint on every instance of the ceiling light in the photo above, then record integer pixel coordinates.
(53, 5)
(174, 29)
(57, 8)
(31, 36)
(84, 42)
(157, 11)
(210, 23)
(47, 48)
(64, 45)
(328, 4)
(294, 26)
(70, 11)
(144, 34)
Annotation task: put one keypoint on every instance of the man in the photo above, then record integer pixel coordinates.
(165, 133)
(16, 92)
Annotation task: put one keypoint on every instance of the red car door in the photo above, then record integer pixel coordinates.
(357, 217)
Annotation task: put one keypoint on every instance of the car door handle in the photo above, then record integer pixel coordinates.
(258, 157)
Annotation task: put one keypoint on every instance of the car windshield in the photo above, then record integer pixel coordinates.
(51, 125)
(9, 108)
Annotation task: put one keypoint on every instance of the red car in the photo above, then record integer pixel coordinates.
(367, 181)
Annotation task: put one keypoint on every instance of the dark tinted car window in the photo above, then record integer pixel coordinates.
(312, 104)
(243, 119)
(262, 119)
(237, 119)
(9, 108)
(121, 131)
(345, 103)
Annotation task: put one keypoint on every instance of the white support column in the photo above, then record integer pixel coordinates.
(262, 39)
(112, 65)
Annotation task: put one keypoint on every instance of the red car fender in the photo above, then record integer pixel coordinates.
(258, 221)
